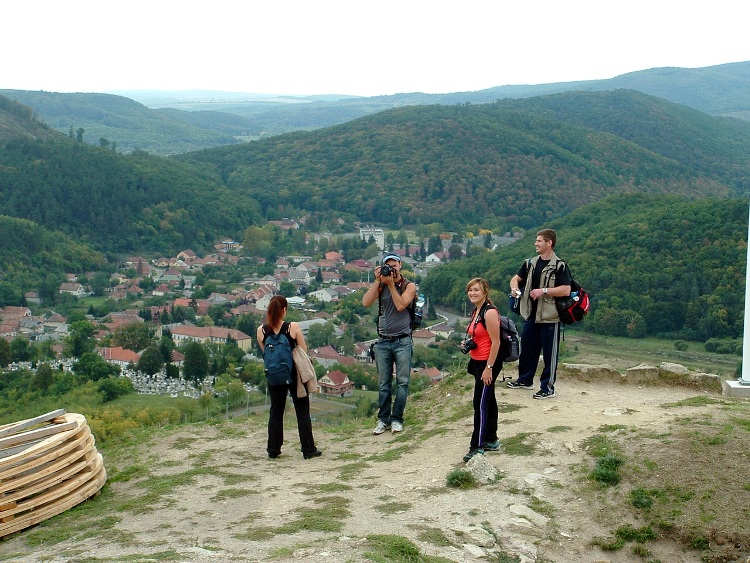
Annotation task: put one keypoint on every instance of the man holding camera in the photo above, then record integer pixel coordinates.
(537, 283)
(394, 294)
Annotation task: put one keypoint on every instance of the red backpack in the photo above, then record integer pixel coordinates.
(574, 307)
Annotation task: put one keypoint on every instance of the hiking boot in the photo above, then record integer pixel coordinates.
(380, 427)
(515, 384)
(309, 455)
(396, 427)
(492, 446)
(544, 394)
(472, 452)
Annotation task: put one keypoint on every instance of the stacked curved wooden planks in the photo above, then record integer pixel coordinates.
(48, 464)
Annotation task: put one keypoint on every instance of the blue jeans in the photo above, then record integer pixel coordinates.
(386, 354)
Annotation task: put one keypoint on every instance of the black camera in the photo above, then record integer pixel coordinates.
(468, 345)
(386, 270)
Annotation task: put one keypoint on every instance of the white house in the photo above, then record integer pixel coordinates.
(326, 295)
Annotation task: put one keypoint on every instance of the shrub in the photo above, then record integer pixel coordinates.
(607, 470)
(461, 478)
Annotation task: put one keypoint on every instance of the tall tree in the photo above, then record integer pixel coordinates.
(6, 356)
(132, 336)
(150, 361)
(195, 366)
(80, 339)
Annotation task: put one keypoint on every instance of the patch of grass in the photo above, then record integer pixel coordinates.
(235, 478)
(351, 470)
(326, 488)
(599, 445)
(135, 471)
(434, 536)
(281, 552)
(461, 479)
(542, 507)
(604, 428)
(345, 456)
(640, 535)
(256, 533)
(505, 557)
(225, 494)
(607, 471)
(556, 429)
(517, 445)
(743, 423)
(325, 518)
(641, 498)
(395, 549)
(509, 407)
(697, 401)
(625, 534)
(393, 507)
(390, 455)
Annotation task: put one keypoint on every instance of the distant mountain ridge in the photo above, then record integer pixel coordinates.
(512, 163)
(170, 124)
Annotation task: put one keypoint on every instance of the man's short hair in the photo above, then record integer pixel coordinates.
(548, 235)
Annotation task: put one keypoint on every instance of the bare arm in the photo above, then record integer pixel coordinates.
(492, 322)
(402, 300)
(296, 332)
(259, 337)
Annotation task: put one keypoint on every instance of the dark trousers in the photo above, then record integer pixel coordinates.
(536, 339)
(278, 394)
(485, 404)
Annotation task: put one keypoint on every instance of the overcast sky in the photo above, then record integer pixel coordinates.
(358, 47)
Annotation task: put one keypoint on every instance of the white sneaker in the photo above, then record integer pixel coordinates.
(380, 427)
(396, 427)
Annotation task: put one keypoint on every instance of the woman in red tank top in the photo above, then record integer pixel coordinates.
(484, 365)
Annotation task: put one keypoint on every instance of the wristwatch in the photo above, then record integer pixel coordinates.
(488, 366)
(544, 291)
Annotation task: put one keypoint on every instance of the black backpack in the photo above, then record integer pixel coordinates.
(277, 355)
(574, 307)
(510, 342)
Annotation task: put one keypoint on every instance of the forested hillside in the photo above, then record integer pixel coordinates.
(192, 120)
(502, 165)
(123, 122)
(34, 257)
(113, 202)
(654, 265)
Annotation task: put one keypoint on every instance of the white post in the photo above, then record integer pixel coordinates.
(745, 379)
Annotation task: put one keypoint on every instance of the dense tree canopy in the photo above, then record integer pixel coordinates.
(654, 265)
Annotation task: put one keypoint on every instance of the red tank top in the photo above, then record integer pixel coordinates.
(479, 333)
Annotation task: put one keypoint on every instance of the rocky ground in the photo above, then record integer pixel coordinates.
(226, 501)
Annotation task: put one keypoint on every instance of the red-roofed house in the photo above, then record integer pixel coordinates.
(119, 356)
(326, 356)
(210, 334)
(336, 384)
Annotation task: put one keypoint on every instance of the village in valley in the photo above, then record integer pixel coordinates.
(179, 297)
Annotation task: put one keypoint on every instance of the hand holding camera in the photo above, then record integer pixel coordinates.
(386, 270)
(468, 345)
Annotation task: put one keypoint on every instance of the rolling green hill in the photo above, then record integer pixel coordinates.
(188, 121)
(653, 264)
(502, 165)
(34, 257)
(129, 124)
(110, 201)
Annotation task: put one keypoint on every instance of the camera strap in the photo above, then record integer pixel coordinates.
(400, 287)
(478, 318)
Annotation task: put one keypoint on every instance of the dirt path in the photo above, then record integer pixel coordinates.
(383, 484)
